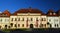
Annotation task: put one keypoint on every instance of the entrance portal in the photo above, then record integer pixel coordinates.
(5, 26)
(31, 25)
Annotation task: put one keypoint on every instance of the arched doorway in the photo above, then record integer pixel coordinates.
(5, 26)
(50, 25)
(31, 25)
(0, 27)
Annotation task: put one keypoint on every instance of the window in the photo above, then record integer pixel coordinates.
(41, 25)
(49, 20)
(1, 20)
(56, 20)
(5, 20)
(36, 19)
(11, 24)
(22, 25)
(50, 13)
(42, 19)
(15, 25)
(48, 23)
(31, 19)
(18, 25)
(5, 26)
(12, 19)
(27, 19)
(18, 19)
(55, 25)
(22, 19)
(45, 25)
(54, 13)
(15, 19)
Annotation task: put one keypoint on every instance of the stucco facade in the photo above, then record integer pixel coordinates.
(29, 18)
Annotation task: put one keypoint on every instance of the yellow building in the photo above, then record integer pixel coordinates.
(28, 18)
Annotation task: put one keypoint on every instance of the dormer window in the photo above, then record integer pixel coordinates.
(54, 13)
(50, 13)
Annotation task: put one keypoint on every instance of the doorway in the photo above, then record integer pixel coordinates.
(5, 26)
(31, 25)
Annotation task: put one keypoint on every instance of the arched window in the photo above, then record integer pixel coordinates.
(18, 25)
(11, 24)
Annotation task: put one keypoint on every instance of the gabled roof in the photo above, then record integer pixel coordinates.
(7, 13)
(51, 11)
(28, 11)
(58, 12)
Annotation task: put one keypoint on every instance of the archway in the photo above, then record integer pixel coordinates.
(5, 26)
(31, 25)
(0, 27)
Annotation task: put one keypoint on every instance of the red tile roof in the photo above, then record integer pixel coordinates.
(51, 11)
(58, 12)
(7, 13)
(28, 11)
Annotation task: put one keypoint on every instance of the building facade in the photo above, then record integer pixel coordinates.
(29, 18)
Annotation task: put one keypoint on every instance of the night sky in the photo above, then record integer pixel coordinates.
(43, 5)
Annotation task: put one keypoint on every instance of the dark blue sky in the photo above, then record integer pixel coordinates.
(14, 5)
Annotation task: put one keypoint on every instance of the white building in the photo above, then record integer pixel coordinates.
(4, 20)
(53, 19)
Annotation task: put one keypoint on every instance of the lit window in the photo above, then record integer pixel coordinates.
(50, 13)
(54, 13)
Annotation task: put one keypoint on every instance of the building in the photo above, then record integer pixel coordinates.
(53, 19)
(29, 18)
(5, 19)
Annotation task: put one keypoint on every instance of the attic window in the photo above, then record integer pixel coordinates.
(54, 13)
(50, 13)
